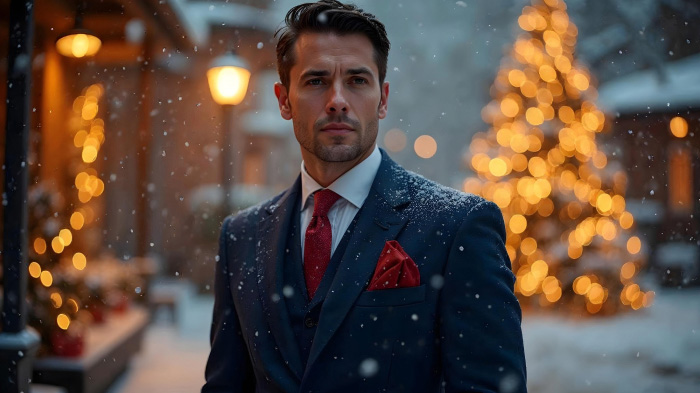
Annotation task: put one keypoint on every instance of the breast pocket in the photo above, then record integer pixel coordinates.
(391, 297)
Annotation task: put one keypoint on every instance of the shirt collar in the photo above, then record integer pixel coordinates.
(353, 185)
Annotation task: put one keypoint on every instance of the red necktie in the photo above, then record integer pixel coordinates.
(317, 243)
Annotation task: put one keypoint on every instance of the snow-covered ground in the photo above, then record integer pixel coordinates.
(173, 356)
(656, 350)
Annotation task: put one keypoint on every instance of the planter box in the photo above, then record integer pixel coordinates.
(108, 349)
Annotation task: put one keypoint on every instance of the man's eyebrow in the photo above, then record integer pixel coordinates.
(350, 71)
(358, 71)
(314, 73)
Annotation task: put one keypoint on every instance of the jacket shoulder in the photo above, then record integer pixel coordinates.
(430, 197)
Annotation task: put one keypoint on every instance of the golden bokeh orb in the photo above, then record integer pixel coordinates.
(34, 269)
(634, 245)
(678, 127)
(517, 223)
(63, 321)
(425, 146)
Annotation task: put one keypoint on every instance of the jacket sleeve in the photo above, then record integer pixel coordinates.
(228, 369)
(480, 333)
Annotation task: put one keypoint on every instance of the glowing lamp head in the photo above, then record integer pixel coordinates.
(78, 43)
(228, 78)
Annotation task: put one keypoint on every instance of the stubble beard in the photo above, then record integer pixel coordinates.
(339, 150)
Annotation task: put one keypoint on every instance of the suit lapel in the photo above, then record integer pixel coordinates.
(379, 220)
(272, 236)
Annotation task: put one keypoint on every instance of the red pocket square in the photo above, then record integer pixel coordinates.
(395, 269)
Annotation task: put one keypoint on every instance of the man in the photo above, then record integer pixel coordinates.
(361, 277)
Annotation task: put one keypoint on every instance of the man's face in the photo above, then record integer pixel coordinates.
(334, 99)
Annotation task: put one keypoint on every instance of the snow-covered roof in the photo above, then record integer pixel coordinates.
(643, 91)
(199, 17)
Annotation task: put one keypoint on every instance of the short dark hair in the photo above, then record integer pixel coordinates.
(329, 16)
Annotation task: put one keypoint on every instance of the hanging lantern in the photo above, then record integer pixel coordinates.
(78, 42)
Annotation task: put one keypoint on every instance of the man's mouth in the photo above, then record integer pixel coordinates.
(337, 129)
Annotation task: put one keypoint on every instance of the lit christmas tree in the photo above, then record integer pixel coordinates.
(59, 293)
(563, 202)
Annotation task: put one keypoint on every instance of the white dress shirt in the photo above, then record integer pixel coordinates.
(353, 187)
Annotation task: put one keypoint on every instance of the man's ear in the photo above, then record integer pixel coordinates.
(381, 111)
(283, 101)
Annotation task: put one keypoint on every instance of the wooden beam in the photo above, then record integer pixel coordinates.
(160, 15)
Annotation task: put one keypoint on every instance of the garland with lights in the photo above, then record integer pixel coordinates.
(63, 301)
(563, 202)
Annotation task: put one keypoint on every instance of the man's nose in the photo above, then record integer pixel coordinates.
(337, 102)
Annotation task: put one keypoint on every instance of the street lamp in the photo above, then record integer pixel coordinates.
(228, 77)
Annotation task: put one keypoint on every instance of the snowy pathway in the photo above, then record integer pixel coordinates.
(656, 350)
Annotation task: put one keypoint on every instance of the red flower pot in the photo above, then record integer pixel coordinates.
(68, 343)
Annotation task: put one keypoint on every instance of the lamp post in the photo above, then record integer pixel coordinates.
(17, 344)
(228, 77)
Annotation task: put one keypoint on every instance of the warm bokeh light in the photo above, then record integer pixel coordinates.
(472, 185)
(626, 220)
(537, 167)
(634, 245)
(73, 305)
(580, 81)
(79, 261)
(395, 140)
(39, 245)
(84, 196)
(46, 278)
(678, 127)
(510, 107)
(517, 223)
(628, 270)
(89, 111)
(539, 269)
(534, 116)
(516, 78)
(34, 270)
(604, 202)
(77, 220)
(57, 244)
(89, 154)
(582, 285)
(63, 321)
(81, 179)
(425, 146)
(56, 299)
(596, 293)
(79, 138)
(66, 236)
(528, 284)
(498, 167)
(547, 73)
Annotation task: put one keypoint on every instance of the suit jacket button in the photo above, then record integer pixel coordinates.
(309, 322)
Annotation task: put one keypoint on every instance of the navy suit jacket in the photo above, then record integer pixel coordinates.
(459, 331)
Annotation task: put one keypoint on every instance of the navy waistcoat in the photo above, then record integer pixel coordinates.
(304, 312)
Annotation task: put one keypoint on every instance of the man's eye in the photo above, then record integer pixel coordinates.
(359, 81)
(314, 82)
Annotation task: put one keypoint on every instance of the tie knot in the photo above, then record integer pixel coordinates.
(323, 201)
